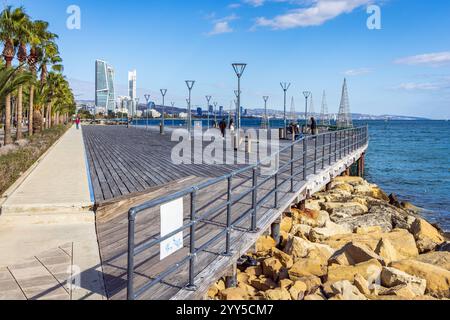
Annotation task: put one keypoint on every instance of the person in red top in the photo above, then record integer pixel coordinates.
(77, 122)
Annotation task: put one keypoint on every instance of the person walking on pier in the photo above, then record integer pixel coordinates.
(223, 127)
(77, 122)
(313, 126)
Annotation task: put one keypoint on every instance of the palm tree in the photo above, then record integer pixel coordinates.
(12, 78)
(24, 36)
(48, 55)
(11, 21)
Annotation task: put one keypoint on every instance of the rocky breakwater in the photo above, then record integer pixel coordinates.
(350, 243)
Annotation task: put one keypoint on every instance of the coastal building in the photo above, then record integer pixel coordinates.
(132, 90)
(104, 86)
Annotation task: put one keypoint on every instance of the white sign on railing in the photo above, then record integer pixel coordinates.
(171, 220)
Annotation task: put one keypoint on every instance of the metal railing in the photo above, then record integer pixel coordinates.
(328, 148)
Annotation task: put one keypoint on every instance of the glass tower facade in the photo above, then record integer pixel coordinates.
(104, 86)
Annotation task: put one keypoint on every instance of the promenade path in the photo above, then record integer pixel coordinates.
(47, 229)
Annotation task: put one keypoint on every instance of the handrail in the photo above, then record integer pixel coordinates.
(345, 142)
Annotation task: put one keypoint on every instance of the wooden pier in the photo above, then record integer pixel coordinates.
(132, 167)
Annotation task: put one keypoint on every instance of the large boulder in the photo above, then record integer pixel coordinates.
(354, 253)
(439, 259)
(369, 270)
(298, 290)
(377, 219)
(264, 244)
(313, 218)
(427, 236)
(271, 268)
(438, 279)
(233, 294)
(301, 248)
(402, 291)
(400, 239)
(345, 290)
(354, 181)
(391, 277)
(345, 208)
(263, 284)
(313, 283)
(387, 251)
(314, 204)
(362, 284)
(307, 267)
(285, 259)
(286, 224)
(301, 231)
(277, 294)
(329, 230)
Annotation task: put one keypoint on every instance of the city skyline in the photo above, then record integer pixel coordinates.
(401, 69)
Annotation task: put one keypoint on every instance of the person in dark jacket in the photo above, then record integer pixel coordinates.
(223, 127)
(313, 126)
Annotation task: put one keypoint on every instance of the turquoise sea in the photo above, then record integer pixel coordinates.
(408, 158)
(412, 159)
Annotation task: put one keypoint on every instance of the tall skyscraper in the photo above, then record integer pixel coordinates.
(105, 94)
(132, 89)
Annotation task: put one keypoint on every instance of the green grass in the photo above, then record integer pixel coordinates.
(15, 163)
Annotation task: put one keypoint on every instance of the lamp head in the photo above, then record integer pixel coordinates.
(285, 86)
(239, 68)
(190, 84)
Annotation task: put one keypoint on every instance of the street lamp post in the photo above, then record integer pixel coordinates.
(266, 118)
(135, 111)
(147, 99)
(190, 85)
(173, 113)
(163, 93)
(307, 94)
(285, 86)
(208, 99)
(239, 69)
(215, 114)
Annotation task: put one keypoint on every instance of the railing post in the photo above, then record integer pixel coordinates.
(228, 236)
(330, 154)
(315, 155)
(130, 277)
(276, 190)
(340, 144)
(335, 146)
(323, 151)
(192, 252)
(292, 168)
(305, 156)
(254, 200)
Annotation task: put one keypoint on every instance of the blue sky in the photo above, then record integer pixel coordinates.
(403, 69)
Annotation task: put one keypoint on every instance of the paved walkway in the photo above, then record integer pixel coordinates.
(59, 183)
(47, 231)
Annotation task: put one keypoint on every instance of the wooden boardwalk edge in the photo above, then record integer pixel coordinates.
(220, 266)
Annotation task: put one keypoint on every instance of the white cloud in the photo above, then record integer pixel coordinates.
(317, 13)
(220, 28)
(357, 72)
(433, 59)
(222, 25)
(255, 3)
(234, 5)
(415, 86)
